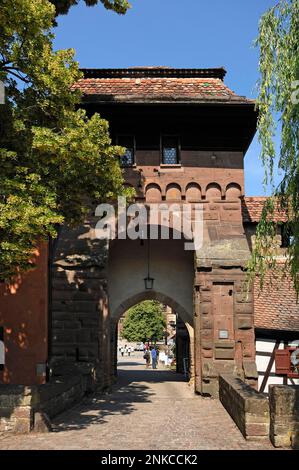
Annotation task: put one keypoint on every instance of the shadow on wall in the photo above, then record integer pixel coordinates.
(78, 294)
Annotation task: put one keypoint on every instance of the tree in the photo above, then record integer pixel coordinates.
(54, 159)
(278, 99)
(119, 6)
(144, 321)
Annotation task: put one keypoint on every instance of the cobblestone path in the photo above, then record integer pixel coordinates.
(147, 410)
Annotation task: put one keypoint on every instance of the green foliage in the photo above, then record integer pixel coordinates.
(119, 6)
(265, 249)
(278, 42)
(144, 321)
(54, 159)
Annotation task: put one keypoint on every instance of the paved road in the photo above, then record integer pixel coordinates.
(147, 410)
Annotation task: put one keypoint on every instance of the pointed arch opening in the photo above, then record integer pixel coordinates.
(172, 341)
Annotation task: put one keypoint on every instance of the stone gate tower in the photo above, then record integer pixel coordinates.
(186, 135)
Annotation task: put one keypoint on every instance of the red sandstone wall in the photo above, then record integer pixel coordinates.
(24, 316)
(204, 169)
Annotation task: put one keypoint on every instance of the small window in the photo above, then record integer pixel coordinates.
(170, 150)
(128, 158)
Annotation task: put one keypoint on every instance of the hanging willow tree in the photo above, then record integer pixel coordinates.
(278, 106)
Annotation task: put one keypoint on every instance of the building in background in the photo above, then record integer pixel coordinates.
(276, 308)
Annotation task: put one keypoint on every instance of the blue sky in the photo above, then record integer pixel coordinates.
(178, 33)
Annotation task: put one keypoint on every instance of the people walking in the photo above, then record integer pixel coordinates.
(147, 357)
(122, 351)
(154, 358)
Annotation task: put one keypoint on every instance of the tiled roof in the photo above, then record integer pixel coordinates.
(252, 208)
(275, 306)
(157, 85)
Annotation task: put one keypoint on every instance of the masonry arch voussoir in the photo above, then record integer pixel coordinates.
(153, 193)
(150, 295)
(233, 191)
(213, 191)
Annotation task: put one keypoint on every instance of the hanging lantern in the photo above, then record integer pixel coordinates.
(149, 282)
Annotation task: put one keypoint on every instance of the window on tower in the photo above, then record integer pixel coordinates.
(127, 141)
(170, 150)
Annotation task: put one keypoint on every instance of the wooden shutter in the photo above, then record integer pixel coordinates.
(282, 361)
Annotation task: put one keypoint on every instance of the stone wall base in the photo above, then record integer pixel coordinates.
(28, 408)
(248, 408)
(284, 413)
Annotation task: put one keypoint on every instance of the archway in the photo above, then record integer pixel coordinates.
(179, 346)
(172, 269)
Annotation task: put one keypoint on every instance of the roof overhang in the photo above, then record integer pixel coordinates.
(152, 100)
(194, 103)
(152, 72)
